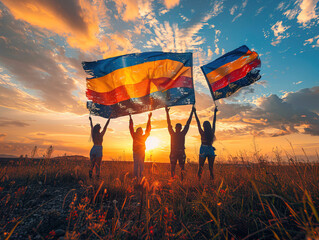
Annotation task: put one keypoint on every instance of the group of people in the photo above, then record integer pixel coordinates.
(177, 154)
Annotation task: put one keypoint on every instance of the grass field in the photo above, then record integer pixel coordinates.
(47, 199)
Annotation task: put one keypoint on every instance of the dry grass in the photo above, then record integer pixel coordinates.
(246, 201)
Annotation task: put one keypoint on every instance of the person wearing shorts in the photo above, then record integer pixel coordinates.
(139, 145)
(96, 152)
(177, 144)
(206, 148)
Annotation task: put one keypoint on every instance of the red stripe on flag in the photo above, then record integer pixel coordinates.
(235, 75)
(141, 89)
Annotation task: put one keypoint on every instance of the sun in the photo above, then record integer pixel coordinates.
(151, 143)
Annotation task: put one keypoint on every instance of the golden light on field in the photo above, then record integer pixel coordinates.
(151, 143)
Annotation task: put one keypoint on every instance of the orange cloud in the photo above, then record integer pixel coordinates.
(171, 3)
(117, 44)
(75, 20)
(128, 9)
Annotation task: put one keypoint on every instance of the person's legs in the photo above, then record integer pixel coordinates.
(201, 165)
(173, 160)
(135, 169)
(181, 161)
(211, 160)
(98, 166)
(182, 170)
(93, 159)
(173, 167)
(142, 158)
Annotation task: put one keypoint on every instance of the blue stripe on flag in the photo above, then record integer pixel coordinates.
(171, 97)
(103, 67)
(250, 78)
(228, 57)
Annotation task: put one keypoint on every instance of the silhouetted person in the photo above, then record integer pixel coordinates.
(96, 152)
(206, 148)
(139, 145)
(178, 143)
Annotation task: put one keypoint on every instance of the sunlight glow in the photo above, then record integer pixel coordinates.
(151, 143)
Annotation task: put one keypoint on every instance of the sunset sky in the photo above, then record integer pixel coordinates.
(42, 83)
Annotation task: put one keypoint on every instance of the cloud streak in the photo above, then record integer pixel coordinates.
(36, 65)
(296, 112)
(75, 20)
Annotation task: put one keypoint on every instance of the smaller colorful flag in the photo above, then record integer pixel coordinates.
(232, 71)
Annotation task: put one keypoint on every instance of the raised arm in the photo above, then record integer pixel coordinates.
(105, 126)
(148, 126)
(169, 124)
(91, 124)
(214, 121)
(185, 130)
(131, 126)
(198, 122)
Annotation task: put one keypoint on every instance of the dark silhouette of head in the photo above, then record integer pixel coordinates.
(96, 131)
(178, 127)
(139, 131)
(208, 131)
(96, 128)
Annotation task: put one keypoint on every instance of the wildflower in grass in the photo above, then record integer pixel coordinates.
(90, 217)
(151, 230)
(52, 233)
(81, 207)
(85, 200)
(222, 191)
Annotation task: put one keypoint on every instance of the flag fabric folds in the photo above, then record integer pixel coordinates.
(140, 82)
(232, 71)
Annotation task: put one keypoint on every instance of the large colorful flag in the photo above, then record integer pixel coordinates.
(232, 71)
(136, 83)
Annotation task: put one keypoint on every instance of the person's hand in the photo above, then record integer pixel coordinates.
(194, 109)
(150, 115)
(216, 109)
(167, 109)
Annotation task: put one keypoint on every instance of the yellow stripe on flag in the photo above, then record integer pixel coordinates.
(226, 69)
(137, 73)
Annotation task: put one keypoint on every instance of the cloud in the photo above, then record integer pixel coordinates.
(239, 15)
(294, 112)
(296, 83)
(171, 3)
(279, 30)
(314, 42)
(217, 34)
(2, 136)
(280, 6)
(233, 9)
(4, 122)
(39, 68)
(209, 53)
(128, 9)
(14, 147)
(241, 9)
(118, 43)
(291, 13)
(305, 10)
(244, 3)
(308, 11)
(259, 10)
(73, 19)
